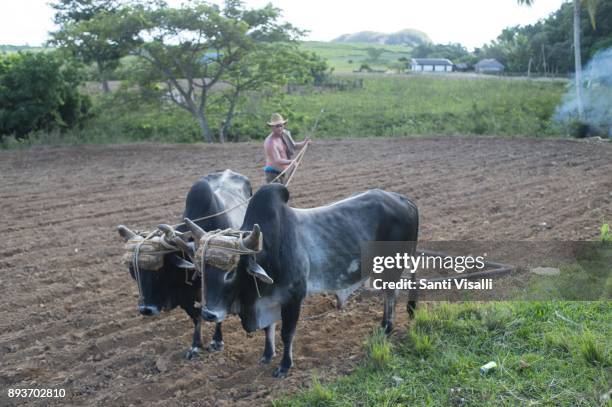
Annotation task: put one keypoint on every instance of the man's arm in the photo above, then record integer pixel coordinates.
(303, 143)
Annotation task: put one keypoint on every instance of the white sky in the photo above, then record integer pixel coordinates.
(469, 22)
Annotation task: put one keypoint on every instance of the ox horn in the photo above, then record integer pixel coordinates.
(169, 232)
(253, 240)
(126, 233)
(197, 231)
(185, 246)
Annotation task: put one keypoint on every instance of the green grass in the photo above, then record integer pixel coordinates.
(318, 395)
(386, 106)
(348, 57)
(542, 359)
(588, 278)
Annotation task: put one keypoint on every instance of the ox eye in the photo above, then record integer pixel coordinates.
(229, 276)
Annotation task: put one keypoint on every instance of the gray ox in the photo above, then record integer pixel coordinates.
(304, 251)
(172, 284)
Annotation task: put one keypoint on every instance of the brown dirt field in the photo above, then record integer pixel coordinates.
(69, 318)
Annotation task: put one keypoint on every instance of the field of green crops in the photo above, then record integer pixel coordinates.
(413, 105)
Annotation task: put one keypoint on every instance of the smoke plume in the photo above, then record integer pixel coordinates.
(597, 97)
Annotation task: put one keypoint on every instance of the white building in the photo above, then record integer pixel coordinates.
(431, 65)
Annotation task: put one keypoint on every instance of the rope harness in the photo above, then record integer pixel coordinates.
(221, 249)
(136, 263)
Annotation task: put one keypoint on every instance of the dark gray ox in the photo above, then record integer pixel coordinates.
(304, 251)
(172, 285)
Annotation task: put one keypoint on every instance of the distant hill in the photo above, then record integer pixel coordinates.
(408, 37)
(15, 48)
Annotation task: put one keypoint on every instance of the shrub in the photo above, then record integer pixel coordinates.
(39, 92)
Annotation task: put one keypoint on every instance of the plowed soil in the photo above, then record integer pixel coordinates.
(69, 315)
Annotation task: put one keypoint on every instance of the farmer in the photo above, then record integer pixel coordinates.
(279, 148)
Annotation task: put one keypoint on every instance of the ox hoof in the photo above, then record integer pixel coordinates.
(192, 353)
(264, 360)
(281, 372)
(215, 346)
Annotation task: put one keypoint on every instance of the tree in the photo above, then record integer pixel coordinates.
(94, 31)
(449, 51)
(38, 91)
(511, 48)
(374, 54)
(591, 6)
(207, 55)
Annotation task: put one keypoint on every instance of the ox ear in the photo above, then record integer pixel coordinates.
(283, 191)
(258, 272)
(180, 262)
(126, 233)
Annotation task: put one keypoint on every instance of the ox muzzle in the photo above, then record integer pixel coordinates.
(148, 310)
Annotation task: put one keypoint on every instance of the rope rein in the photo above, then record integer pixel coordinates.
(295, 163)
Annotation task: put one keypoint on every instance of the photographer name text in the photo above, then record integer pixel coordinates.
(424, 284)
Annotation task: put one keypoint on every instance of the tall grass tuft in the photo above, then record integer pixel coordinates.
(420, 343)
(319, 395)
(378, 349)
(590, 349)
(558, 342)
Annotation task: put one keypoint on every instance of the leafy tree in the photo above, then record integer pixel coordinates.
(317, 69)
(38, 91)
(374, 54)
(591, 6)
(449, 51)
(94, 31)
(512, 48)
(397, 66)
(365, 68)
(209, 56)
(547, 45)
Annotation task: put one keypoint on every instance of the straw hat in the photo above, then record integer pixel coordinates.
(276, 119)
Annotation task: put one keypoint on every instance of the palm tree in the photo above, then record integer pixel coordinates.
(591, 6)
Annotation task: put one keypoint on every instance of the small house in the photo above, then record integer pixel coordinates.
(462, 67)
(431, 65)
(489, 66)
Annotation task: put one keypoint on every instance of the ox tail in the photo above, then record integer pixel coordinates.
(414, 237)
